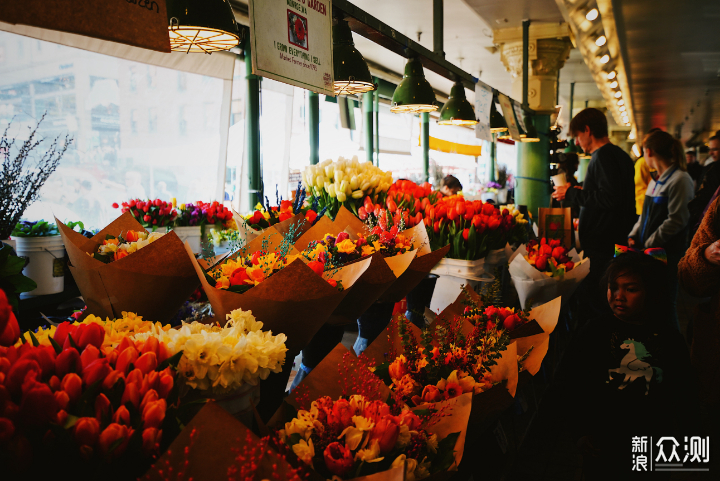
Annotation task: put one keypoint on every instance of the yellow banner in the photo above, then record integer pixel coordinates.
(453, 147)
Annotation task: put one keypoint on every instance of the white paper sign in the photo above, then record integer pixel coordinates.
(291, 42)
(508, 112)
(483, 103)
(519, 116)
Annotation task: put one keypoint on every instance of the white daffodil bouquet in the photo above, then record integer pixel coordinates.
(345, 182)
(224, 358)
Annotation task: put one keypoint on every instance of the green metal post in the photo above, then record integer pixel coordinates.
(493, 157)
(367, 105)
(426, 145)
(533, 184)
(314, 127)
(526, 60)
(438, 15)
(252, 129)
(572, 98)
(376, 111)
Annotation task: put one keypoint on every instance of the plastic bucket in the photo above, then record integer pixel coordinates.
(193, 236)
(45, 263)
(454, 273)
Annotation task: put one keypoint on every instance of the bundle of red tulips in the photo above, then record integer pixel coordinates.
(472, 228)
(150, 213)
(78, 399)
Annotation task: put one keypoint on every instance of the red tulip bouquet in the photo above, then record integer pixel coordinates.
(77, 403)
(542, 271)
(471, 227)
(150, 213)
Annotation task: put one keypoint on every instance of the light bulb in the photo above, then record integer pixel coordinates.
(614, 85)
(618, 94)
(622, 108)
(592, 14)
(605, 59)
(600, 41)
(621, 102)
(611, 75)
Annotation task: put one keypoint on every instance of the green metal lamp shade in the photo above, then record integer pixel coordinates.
(497, 121)
(572, 148)
(414, 94)
(457, 110)
(201, 26)
(351, 72)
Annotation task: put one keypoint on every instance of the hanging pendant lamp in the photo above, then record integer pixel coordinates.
(457, 110)
(572, 147)
(197, 26)
(351, 72)
(497, 121)
(414, 94)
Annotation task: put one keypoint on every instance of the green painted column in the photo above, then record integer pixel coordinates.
(252, 129)
(533, 165)
(582, 168)
(376, 130)
(426, 145)
(493, 158)
(314, 127)
(367, 105)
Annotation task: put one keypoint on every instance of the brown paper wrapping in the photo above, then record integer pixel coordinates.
(294, 301)
(345, 218)
(152, 282)
(315, 233)
(380, 348)
(140, 25)
(456, 422)
(418, 270)
(378, 277)
(536, 334)
(301, 226)
(218, 435)
(327, 380)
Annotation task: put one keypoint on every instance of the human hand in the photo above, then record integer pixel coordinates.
(712, 253)
(631, 242)
(587, 446)
(560, 191)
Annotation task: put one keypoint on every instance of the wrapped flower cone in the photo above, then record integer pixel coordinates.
(335, 376)
(299, 223)
(536, 287)
(294, 301)
(423, 263)
(535, 335)
(323, 226)
(347, 219)
(152, 282)
(215, 446)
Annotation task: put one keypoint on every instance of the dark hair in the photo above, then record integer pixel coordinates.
(714, 137)
(666, 147)
(592, 118)
(691, 152)
(654, 276)
(451, 182)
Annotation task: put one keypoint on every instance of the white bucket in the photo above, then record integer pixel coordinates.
(10, 242)
(494, 259)
(502, 196)
(223, 248)
(192, 235)
(485, 196)
(453, 274)
(46, 263)
(238, 403)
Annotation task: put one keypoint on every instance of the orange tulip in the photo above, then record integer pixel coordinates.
(128, 356)
(62, 398)
(154, 413)
(87, 431)
(151, 441)
(72, 385)
(110, 436)
(122, 416)
(147, 362)
(131, 394)
(102, 407)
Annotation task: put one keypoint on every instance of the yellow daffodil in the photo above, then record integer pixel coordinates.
(371, 454)
(305, 451)
(346, 247)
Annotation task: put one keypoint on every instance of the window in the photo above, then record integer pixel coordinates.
(120, 114)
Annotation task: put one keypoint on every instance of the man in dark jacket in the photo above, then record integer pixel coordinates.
(707, 185)
(606, 199)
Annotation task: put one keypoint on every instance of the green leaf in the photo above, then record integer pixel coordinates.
(172, 361)
(210, 280)
(294, 439)
(108, 237)
(34, 340)
(383, 372)
(102, 258)
(445, 450)
(55, 345)
(12, 265)
(72, 343)
(240, 288)
(21, 283)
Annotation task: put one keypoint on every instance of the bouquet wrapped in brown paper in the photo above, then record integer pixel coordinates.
(215, 446)
(152, 281)
(342, 426)
(278, 287)
(449, 358)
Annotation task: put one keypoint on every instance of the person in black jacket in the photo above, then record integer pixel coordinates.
(707, 185)
(606, 199)
(628, 373)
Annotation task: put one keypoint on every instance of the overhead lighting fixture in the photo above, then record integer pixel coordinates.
(600, 41)
(614, 85)
(636, 149)
(351, 72)
(622, 108)
(197, 26)
(457, 110)
(497, 121)
(414, 94)
(611, 75)
(618, 94)
(621, 102)
(592, 14)
(605, 59)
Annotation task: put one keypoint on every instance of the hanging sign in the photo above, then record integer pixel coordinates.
(519, 116)
(141, 23)
(483, 104)
(509, 113)
(291, 42)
